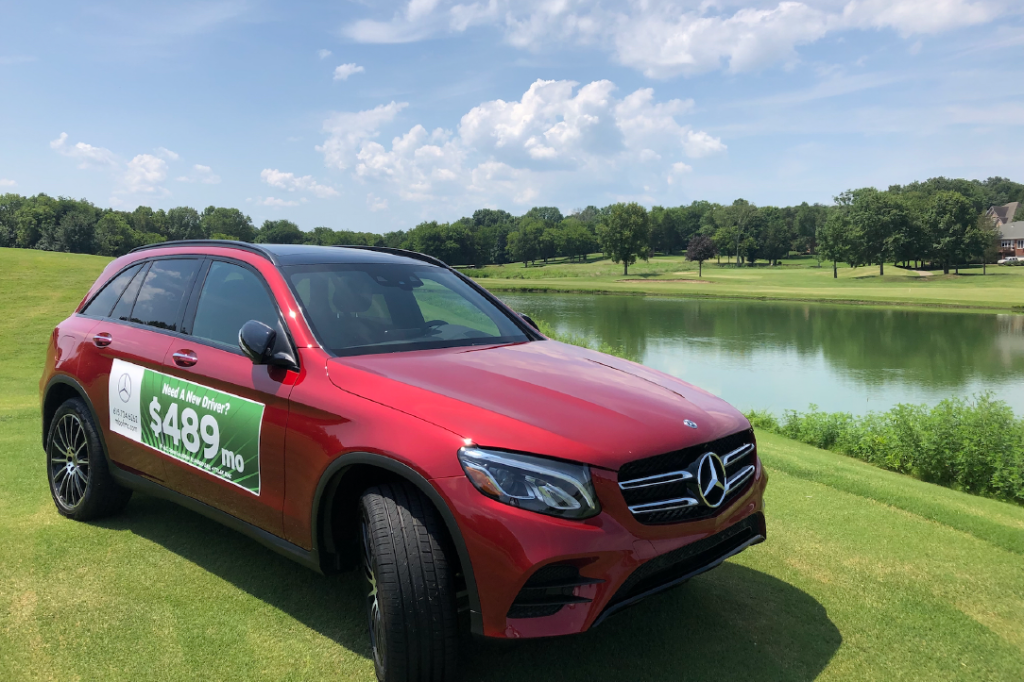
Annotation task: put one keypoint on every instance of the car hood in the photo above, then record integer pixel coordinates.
(542, 397)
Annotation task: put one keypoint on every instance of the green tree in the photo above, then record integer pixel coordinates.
(552, 242)
(550, 215)
(35, 219)
(578, 241)
(229, 222)
(9, 206)
(114, 236)
(876, 216)
(74, 233)
(984, 240)
(948, 221)
(145, 220)
(700, 249)
(833, 238)
(625, 234)
(726, 240)
(451, 242)
(322, 236)
(776, 238)
(279, 232)
(184, 223)
(524, 243)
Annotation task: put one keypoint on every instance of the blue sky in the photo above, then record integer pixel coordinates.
(375, 116)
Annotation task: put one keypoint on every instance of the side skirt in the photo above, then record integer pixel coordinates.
(308, 558)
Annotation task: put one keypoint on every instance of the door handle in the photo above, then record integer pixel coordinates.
(185, 358)
(102, 339)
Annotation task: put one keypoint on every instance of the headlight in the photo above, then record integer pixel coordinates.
(542, 485)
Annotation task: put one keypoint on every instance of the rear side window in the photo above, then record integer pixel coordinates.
(123, 310)
(103, 302)
(231, 296)
(162, 297)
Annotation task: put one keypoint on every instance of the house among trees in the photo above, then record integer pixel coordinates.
(1003, 214)
(1011, 241)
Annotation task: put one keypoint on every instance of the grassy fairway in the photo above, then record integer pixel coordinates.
(1002, 288)
(866, 575)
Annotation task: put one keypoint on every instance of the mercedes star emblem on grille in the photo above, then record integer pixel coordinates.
(711, 480)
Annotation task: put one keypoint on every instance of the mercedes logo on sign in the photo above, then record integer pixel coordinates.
(124, 387)
(711, 480)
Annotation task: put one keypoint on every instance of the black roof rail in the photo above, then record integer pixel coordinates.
(224, 243)
(397, 252)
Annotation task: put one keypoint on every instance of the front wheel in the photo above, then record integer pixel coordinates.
(80, 481)
(411, 592)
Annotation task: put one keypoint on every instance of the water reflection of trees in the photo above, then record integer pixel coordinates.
(929, 348)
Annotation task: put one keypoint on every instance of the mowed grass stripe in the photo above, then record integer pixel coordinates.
(999, 523)
(866, 574)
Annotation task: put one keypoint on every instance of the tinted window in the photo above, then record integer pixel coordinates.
(382, 308)
(231, 296)
(122, 311)
(162, 296)
(104, 301)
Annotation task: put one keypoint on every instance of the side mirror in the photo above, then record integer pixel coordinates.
(257, 341)
(529, 321)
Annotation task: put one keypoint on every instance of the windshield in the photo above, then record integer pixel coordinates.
(383, 308)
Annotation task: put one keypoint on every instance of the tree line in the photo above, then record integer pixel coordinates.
(939, 221)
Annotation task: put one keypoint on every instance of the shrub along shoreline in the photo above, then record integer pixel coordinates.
(973, 445)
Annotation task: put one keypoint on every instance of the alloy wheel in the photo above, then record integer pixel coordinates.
(69, 461)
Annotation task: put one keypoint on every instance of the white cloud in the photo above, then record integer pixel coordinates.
(666, 43)
(698, 144)
(511, 150)
(323, 54)
(911, 17)
(276, 203)
(4, 182)
(290, 182)
(87, 155)
(144, 174)
(665, 38)
(342, 72)
(375, 203)
(201, 173)
(347, 130)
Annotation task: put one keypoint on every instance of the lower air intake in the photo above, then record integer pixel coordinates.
(548, 590)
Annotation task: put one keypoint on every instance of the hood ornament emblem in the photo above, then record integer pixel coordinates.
(689, 423)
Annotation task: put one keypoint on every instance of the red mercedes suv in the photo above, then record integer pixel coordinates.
(361, 406)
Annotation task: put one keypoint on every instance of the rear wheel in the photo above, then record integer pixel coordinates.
(411, 594)
(80, 482)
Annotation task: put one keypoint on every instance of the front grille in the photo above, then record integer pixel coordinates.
(663, 489)
(665, 570)
(548, 590)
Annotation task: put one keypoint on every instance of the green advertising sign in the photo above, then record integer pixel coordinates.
(208, 429)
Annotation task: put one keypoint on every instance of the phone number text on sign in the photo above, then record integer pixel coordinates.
(205, 428)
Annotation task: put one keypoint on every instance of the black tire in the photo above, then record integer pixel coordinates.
(76, 466)
(411, 603)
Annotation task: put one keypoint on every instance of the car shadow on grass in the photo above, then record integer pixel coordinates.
(733, 623)
(330, 605)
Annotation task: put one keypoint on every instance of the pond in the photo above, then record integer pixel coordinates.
(779, 356)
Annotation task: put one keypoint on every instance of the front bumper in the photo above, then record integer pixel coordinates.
(619, 560)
